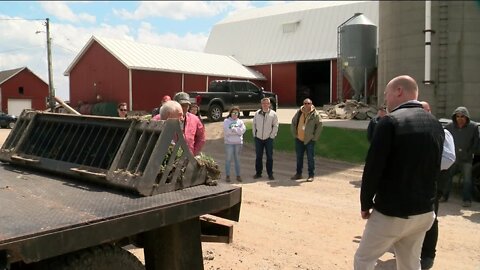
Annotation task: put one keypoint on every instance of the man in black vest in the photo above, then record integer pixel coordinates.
(398, 183)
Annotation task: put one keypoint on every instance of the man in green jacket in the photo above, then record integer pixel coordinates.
(306, 128)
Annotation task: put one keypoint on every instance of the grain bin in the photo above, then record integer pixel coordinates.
(358, 47)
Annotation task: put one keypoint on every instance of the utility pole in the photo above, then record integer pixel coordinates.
(51, 89)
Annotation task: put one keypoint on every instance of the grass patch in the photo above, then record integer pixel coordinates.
(335, 143)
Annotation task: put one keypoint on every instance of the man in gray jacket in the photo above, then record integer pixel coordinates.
(265, 128)
(465, 135)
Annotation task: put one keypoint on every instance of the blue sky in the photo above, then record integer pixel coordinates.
(176, 24)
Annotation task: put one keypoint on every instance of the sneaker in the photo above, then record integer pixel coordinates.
(256, 176)
(426, 263)
(310, 179)
(270, 177)
(227, 178)
(467, 203)
(239, 179)
(296, 177)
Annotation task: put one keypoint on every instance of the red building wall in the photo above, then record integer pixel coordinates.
(284, 83)
(192, 82)
(282, 79)
(265, 70)
(98, 73)
(34, 88)
(148, 88)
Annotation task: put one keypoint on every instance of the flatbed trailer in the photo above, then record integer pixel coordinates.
(54, 221)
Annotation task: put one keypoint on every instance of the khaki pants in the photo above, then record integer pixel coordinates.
(404, 235)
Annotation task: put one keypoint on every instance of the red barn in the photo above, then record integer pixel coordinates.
(20, 89)
(141, 74)
(296, 46)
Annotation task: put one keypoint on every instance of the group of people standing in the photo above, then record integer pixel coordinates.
(306, 127)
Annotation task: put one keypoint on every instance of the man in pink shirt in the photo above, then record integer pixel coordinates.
(193, 129)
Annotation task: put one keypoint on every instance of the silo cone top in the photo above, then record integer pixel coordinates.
(360, 19)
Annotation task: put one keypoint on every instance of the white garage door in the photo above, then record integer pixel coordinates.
(16, 106)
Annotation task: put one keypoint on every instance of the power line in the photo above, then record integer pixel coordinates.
(19, 49)
(21, 19)
(63, 47)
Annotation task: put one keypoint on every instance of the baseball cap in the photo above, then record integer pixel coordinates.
(182, 98)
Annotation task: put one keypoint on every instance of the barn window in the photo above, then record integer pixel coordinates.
(20, 90)
(290, 27)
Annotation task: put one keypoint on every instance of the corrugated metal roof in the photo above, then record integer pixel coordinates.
(7, 74)
(141, 56)
(298, 31)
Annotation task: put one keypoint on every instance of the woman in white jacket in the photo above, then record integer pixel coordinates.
(233, 129)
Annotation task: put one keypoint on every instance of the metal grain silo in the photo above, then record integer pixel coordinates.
(358, 49)
(448, 77)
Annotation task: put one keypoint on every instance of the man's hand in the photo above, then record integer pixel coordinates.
(366, 214)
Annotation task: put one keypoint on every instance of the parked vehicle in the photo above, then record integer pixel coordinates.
(223, 94)
(7, 120)
(76, 189)
(476, 164)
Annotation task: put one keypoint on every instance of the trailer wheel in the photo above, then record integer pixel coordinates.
(215, 113)
(106, 257)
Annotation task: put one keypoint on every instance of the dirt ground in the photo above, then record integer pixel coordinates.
(287, 224)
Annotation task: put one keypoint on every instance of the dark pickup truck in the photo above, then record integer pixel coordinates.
(223, 94)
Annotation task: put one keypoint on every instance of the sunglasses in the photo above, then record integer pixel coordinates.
(234, 113)
(123, 110)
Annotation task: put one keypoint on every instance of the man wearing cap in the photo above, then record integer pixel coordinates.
(156, 111)
(465, 135)
(193, 129)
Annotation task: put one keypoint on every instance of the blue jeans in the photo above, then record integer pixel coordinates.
(300, 149)
(232, 151)
(466, 169)
(260, 146)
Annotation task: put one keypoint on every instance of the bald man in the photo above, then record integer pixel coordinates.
(170, 109)
(398, 182)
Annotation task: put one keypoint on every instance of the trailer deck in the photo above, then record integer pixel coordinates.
(44, 216)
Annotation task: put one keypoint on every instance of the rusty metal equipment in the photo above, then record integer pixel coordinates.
(148, 157)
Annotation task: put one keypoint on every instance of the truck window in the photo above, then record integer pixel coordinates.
(239, 86)
(251, 88)
(217, 87)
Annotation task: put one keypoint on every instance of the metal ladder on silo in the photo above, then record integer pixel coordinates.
(442, 91)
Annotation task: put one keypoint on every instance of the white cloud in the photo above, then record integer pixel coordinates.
(21, 47)
(190, 41)
(61, 11)
(177, 10)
